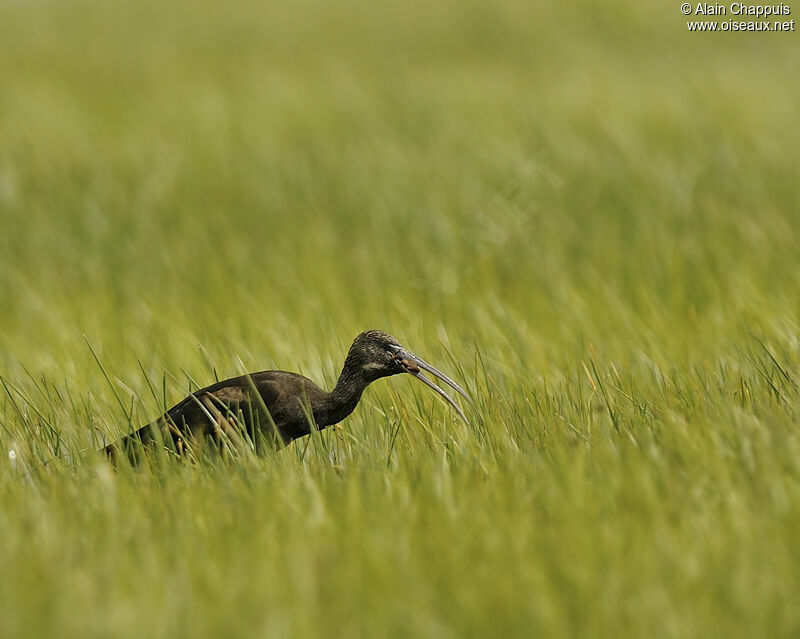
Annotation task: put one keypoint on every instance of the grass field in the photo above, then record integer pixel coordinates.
(586, 214)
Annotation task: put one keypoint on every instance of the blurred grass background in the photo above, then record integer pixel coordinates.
(586, 212)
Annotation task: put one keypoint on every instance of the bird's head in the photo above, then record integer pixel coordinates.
(378, 354)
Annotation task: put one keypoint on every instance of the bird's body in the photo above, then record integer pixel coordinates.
(278, 406)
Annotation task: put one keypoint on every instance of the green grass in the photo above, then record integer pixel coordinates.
(586, 214)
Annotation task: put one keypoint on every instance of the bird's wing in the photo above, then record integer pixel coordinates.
(258, 401)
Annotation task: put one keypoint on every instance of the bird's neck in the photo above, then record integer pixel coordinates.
(343, 399)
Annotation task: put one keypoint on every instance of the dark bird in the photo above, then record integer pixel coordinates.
(277, 406)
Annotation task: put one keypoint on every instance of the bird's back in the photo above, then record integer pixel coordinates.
(231, 405)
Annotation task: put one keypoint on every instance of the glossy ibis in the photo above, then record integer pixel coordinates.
(278, 406)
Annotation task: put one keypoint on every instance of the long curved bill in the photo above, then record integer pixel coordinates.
(412, 365)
